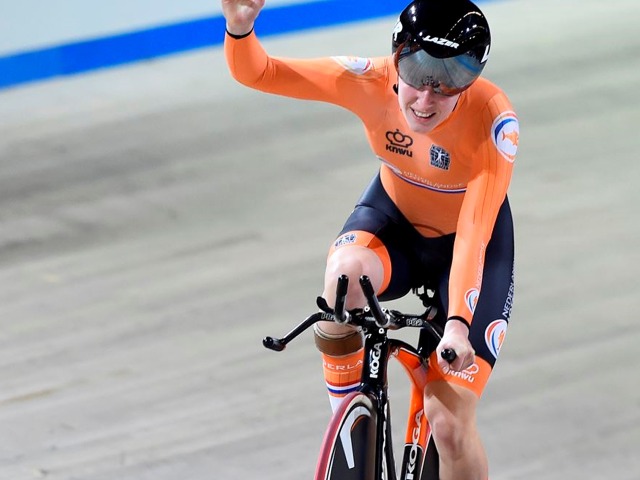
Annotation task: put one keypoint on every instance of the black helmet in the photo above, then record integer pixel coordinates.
(441, 43)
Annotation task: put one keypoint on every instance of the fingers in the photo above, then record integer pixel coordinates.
(465, 357)
(456, 338)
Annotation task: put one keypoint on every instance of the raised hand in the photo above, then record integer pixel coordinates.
(241, 14)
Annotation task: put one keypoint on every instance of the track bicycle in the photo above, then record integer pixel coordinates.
(357, 444)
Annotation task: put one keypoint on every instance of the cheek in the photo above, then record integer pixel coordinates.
(448, 104)
(401, 101)
(404, 96)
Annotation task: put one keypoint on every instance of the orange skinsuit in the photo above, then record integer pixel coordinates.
(453, 179)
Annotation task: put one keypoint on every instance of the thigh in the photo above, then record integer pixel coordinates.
(378, 225)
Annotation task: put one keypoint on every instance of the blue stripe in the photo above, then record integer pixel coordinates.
(343, 391)
(89, 55)
(83, 56)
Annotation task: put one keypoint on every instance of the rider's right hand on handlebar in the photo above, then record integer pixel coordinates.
(456, 338)
(241, 14)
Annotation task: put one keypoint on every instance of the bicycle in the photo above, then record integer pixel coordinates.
(357, 444)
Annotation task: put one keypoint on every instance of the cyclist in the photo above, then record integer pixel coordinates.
(436, 212)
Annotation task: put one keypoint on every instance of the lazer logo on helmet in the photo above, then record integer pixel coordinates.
(440, 41)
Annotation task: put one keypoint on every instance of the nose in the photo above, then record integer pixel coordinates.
(425, 94)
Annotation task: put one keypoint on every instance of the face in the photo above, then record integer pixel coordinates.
(423, 108)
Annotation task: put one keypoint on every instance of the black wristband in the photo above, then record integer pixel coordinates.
(460, 319)
(238, 37)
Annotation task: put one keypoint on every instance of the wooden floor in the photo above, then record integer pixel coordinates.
(158, 220)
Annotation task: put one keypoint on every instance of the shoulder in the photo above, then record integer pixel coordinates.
(490, 114)
(486, 96)
(505, 127)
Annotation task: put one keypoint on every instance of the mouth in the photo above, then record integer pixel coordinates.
(423, 115)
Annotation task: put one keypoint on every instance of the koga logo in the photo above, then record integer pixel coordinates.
(374, 363)
(415, 451)
(440, 41)
(399, 143)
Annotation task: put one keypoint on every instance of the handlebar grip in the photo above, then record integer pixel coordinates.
(273, 344)
(449, 355)
(370, 294)
(341, 299)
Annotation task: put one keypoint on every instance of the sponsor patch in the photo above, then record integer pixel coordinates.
(440, 41)
(494, 336)
(356, 65)
(399, 139)
(346, 239)
(471, 299)
(505, 132)
(398, 142)
(440, 158)
(467, 375)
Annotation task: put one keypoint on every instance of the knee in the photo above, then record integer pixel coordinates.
(448, 433)
(350, 261)
(353, 261)
(452, 428)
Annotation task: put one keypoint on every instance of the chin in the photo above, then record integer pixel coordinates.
(419, 127)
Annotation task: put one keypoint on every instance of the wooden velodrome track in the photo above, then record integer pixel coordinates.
(158, 220)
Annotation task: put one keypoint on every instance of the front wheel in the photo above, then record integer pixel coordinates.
(349, 446)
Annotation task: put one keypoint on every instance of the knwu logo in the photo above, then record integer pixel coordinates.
(399, 143)
(467, 375)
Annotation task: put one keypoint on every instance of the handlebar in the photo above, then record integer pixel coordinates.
(383, 318)
(371, 316)
(341, 315)
(449, 355)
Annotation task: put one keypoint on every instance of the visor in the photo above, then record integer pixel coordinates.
(447, 76)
